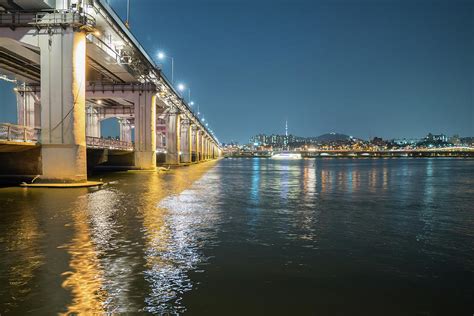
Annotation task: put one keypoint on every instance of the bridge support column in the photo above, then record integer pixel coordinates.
(201, 146)
(194, 144)
(145, 130)
(197, 148)
(173, 139)
(125, 130)
(208, 148)
(204, 147)
(186, 142)
(92, 122)
(28, 108)
(63, 135)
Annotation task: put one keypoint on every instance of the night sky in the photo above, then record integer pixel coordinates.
(364, 68)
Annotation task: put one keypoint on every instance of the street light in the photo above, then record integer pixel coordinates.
(182, 87)
(163, 56)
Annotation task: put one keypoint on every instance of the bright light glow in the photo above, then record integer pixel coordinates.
(161, 55)
(181, 87)
(99, 102)
(191, 103)
(97, 33)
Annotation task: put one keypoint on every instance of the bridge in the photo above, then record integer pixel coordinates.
(76, 64)
(457, 151)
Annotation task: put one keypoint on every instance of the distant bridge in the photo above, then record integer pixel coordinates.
(76, 64)
(458, 151)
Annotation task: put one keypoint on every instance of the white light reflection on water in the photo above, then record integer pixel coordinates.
(175, 245)
(117, 270)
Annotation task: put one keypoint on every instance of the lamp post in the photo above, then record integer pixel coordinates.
(127, 22)
(162, 56)
(182, 87)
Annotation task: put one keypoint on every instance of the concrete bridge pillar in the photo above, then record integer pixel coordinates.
(194, 143)
(206, 148)
(186, 141)
(63, 126)
(92, 122)
(145, 130)
(173, 139)
(197, 147)
(201, 146)
(28, 107)
(125, 130)
(161, 133)
(208, 152)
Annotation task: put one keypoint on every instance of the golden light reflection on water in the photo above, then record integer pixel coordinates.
(85, 279)
(21, 240)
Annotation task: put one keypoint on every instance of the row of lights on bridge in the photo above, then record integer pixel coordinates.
(182, 87)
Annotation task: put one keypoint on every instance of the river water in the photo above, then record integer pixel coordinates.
(247, 237)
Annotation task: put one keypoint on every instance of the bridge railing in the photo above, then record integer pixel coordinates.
(108, 143)
(18, 133)
(46, 18)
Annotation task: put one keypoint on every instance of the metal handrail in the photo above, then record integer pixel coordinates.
(108, 143)
(46, 18)
(19, 133)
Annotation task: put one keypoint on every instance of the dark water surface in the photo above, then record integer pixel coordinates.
(247, 237)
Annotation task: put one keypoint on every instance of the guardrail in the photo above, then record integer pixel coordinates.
(45, 19)
(18, 133)
(108, 143)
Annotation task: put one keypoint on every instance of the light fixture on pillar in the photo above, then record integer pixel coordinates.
(163, 56)
(99, 102)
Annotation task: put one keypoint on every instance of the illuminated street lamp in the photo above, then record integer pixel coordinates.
(182, 87)
(163, 56)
